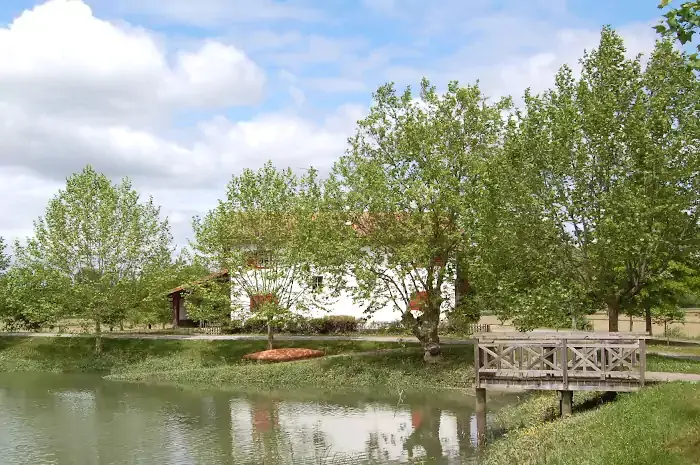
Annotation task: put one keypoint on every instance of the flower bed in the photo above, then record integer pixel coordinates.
(284, 355)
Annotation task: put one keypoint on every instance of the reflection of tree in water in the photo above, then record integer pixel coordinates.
(273, 445)
(266, 431)
(464, 435)
(426, 433)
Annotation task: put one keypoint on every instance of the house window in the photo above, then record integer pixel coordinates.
(418, 301)
(259, 260)
(317, 283)
(257, 300)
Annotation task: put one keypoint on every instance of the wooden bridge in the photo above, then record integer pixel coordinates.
(558, 361)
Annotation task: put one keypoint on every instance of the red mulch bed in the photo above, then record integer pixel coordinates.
(284, 355)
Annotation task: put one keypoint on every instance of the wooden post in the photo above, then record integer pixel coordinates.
(480, 415)
(477, 363)
(565, 364)
(642, 361)
(176, 308)
(567, 400)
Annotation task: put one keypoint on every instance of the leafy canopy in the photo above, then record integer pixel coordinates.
(264, 233)
(611, 162)
(97, 240)
(411, 185)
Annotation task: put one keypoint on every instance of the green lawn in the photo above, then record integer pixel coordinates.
(389, 372)
(146, 355)
(658, 363)
(657, 426)
(685, 350)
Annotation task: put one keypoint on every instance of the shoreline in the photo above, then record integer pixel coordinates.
(390, 371)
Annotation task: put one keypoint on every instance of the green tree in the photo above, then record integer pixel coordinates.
(266, 236)
(154, 305)
(411, 185)
(28, 298)
(4, 257)
(609, 160)
(99, 238)
(682, 22)
(665, 294)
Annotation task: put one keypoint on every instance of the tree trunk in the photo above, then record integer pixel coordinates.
(613, 316)
(425, 328)
(647, 319)
(270, 336)
(121, 325)
(631, 323)
(98, 336)
(431, 346)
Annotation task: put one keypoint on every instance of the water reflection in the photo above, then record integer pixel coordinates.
(61, 419)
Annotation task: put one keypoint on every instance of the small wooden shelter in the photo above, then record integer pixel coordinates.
(178, 295)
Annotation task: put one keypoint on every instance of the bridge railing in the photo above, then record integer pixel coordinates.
(560, 361)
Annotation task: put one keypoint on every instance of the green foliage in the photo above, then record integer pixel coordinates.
(154, 305)
(682, 22)
(4, 258)
(29, 298)
(266, 235)
(334, 324)
(98, 241)
(209, 300)
(611, 184)
(411, 185)
(658, 425)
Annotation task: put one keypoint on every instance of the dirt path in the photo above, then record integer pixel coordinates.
(661, 377)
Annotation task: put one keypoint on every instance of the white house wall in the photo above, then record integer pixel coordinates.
(343, 304)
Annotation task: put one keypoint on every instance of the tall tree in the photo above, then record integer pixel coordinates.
(611, 160)
(682, 22)
(154, 305)
(263, 234)
(412, 186)
(666, 292)
(4, 257)
(98, 238)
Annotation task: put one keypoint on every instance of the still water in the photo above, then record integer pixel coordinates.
(76, 420)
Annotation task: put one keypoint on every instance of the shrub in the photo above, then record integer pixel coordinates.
(296, 324)
(387, 327)
(333, 324)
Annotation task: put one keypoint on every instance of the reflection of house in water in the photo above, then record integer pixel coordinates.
(374, 431)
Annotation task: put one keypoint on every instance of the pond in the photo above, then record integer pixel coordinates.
(75, 420)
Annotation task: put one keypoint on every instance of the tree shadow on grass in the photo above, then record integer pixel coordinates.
(9, 342)
(78, 354)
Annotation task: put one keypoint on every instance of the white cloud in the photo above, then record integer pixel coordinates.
(59, 57)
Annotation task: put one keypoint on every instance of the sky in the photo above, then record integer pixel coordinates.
(180, 95)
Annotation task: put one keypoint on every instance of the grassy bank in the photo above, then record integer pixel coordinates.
(76, 355)
(219, 363)
(671, 365)
(659, 425)
(388, 372)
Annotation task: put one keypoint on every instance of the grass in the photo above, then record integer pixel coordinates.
(659, 425)
(219, 364)
(683, 350)
(671, 365)
(387, 372)
(76, 355)
(543, 407)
